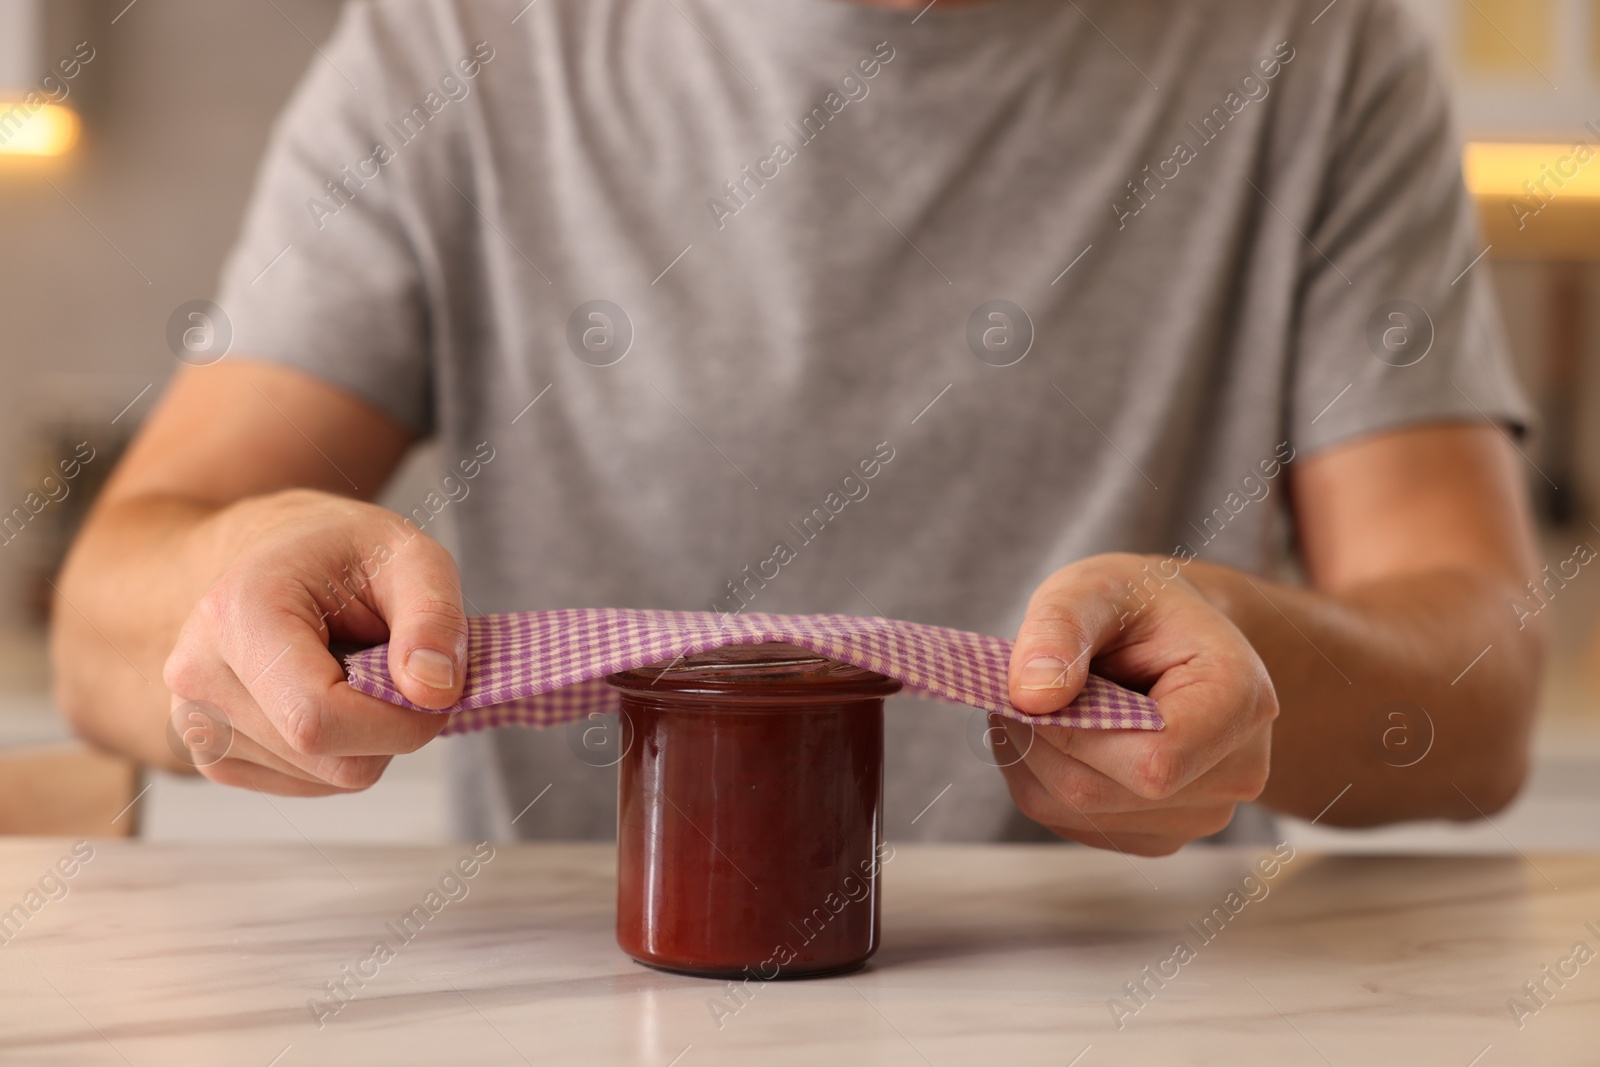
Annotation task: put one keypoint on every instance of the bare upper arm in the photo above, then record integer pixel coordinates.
(242, 428)
(1432, 497)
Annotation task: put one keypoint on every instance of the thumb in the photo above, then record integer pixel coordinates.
(417, 590)
(1069, 618)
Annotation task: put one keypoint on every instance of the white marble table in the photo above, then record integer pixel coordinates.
(165, 955)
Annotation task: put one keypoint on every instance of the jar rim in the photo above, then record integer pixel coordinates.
(753, 668)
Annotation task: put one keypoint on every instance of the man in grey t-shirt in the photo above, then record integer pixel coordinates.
(1123, 301)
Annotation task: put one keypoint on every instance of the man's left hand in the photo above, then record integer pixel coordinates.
(1138, 621)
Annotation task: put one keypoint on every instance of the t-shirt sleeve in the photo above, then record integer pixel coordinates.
(1393, 328)
(323, 277)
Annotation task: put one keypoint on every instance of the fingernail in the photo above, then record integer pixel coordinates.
(433, 669)
(1044, 672)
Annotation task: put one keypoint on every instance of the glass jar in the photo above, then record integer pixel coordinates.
(749, 816)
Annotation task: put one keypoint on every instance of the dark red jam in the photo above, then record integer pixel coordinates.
(749, 824)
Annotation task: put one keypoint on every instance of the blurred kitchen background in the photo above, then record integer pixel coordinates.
(118, 203)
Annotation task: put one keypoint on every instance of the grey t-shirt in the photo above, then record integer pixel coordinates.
(1068, 278)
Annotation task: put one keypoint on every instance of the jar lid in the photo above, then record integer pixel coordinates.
(771, 669)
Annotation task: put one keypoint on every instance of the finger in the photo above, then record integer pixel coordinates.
(1071, 615)
(1211, 705)
(247, 775)
(1146, 844)
(1077, 785)
(1061, 814)
(1055, 758)
(275, 648)
(253, 738)
(342, 773)
(416, 588)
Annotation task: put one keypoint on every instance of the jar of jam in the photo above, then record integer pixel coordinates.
(749, 817)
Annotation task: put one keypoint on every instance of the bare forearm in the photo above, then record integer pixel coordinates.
(127, 587)
(1345, 664)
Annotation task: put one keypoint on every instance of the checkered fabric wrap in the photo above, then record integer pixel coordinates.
(544, 668)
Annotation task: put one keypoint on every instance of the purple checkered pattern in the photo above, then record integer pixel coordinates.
(544, 668)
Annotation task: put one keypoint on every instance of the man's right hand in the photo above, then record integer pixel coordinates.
(300, 568)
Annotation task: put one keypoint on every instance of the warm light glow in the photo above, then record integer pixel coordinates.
(1564, 171)
(50, 131)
